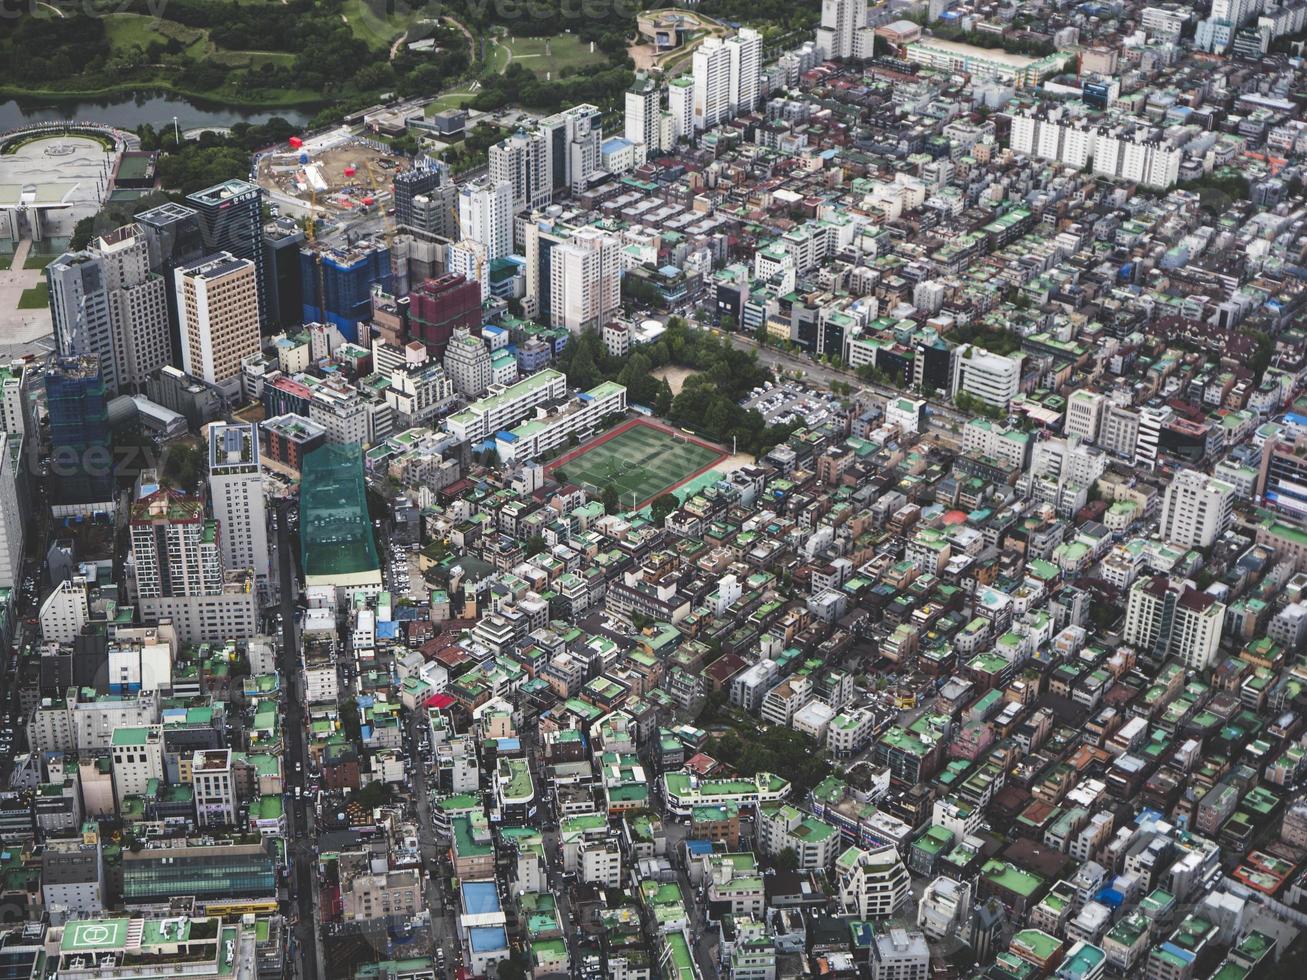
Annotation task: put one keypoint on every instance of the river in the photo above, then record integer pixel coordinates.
(130, 111)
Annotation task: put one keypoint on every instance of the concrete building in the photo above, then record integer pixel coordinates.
(218, 312)
(238, 498)
(680, 105)
(585, 280)
(898, 954)
(1196, 509)
(642, 112)
(840, 22)
(874, 883)
(485, 215)
(137, 755)
(230, 217)
(992, 378)
(1167, 619)
(468, 364)
(214, 787)
(712, 83)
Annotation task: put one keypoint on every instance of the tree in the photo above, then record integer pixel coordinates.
(729, 323)
(535, 544)
(663, 402)
(787, 860)
(610, 500)
(663, 504)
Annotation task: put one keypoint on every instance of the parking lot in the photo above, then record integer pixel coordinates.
(792, 401)
(401, 568)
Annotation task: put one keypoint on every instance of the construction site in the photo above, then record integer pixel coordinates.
(334, 174)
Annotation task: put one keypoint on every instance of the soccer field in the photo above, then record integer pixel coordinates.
(639, 461)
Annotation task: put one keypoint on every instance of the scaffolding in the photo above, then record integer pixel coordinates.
(336, 541)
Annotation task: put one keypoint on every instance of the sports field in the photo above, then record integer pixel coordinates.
(638, 459)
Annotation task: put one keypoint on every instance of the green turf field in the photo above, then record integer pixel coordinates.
(639, 463)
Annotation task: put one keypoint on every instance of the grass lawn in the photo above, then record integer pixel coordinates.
(36, 298)
(640, 461)
(453, 99)
(369, 21)
(549, 54)
(37, 260)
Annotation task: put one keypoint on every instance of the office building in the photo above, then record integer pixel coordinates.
(108, 303)
(218, 307)
(138, 305)
(81, 454)
(1282, 477)
(573, 138)
(420, 180)
(238, 499)
(137, 755)
(1196, 510)
(899, 954)
(13, 509)
(642, 112)
(993, 378)
(175, 571)
(175, 238)
(231, 221)
(337, 283)
(215, 789)
(485, 215)
(282, 241)
(79, 310)
(1173, 619)
(1084, 414)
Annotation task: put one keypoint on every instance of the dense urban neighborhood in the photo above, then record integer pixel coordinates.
(753, 494)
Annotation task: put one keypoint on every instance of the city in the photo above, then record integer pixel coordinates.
(743, 492)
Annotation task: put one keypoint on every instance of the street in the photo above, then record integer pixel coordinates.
(303, 878)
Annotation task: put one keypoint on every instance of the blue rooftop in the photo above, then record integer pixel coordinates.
(480, 898)
(487, 939)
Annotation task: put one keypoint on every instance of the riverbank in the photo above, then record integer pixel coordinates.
(285, 99)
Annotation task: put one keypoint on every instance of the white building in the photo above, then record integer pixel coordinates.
(642, 112)
(467, 363)
(13, 517)
(874, 883)
(485, 215)
(745, 53)
(524, 161)
(214, 788)
(712, 83)
(137, 755)
(992, 378)
(237, 495)
(1196, 509)
(1150, 164)
(840, 22)
(65, 611)
(680, 104)
(1084, 414)
(585, 280)
(502, 409)
(1165, 619)
(138, 304)
(550, 428)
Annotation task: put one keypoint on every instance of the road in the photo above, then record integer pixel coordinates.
(303, 883)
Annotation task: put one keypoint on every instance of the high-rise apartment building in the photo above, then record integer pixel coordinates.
(1196, 509)
(585, 280)
(218, 308)
(1173, 619)
(1282, 478)
(175, 239)
(485, 215)
(108, 303)
(642, 113)
(745, 53)
(467, 363)
(712, 83)
(840, 22)
(236, 495)
(231, 220)
(523, 159)
(680, 103)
